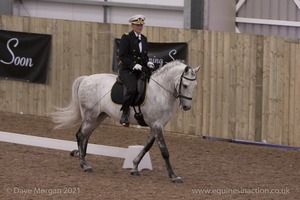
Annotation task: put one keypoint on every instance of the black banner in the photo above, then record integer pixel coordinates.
(24, 56)
(159, 53)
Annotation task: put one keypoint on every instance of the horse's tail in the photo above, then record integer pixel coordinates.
(70, 115)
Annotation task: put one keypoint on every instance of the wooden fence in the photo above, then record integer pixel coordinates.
(249, 87)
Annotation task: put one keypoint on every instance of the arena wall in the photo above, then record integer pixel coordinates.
(248, 89)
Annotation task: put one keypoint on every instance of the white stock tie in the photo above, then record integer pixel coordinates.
(140, 42)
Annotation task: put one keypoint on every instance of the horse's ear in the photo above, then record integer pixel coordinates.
(186, 69)
(197, 68)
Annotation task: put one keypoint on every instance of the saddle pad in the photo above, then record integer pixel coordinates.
(117, 93)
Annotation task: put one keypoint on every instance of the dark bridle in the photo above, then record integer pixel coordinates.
(180, 83)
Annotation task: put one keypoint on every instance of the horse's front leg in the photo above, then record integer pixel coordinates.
(165, 153)
(134, 171)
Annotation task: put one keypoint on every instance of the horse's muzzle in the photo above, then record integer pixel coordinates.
(185, 108)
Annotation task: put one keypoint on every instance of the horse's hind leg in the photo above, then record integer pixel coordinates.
(83, 135)
(82, 141)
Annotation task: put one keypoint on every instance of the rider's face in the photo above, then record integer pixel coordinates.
(137, 28)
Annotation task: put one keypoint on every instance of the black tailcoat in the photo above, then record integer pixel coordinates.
(129, 52)
(130, 55)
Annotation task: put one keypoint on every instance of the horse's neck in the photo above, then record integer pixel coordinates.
(167, 78)
(164, 83)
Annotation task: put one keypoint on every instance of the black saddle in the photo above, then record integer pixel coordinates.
(117, 92)
(118, 97)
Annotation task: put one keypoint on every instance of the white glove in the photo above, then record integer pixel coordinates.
(150, 65)
(137, 67)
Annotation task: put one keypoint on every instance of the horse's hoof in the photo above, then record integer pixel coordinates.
(135, 173)
(74, 153)
(88, 170)
(177, 180)
(125, 124)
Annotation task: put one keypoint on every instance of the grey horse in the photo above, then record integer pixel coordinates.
(91, 104)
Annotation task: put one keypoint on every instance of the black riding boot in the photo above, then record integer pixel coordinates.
(125, 117)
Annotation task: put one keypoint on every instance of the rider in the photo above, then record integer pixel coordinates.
(133, 55)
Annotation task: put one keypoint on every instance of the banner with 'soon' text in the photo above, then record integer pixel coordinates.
(24, 56)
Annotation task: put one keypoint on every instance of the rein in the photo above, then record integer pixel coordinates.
(164, 88)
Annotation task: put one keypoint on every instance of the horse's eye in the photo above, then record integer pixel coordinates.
(184, 86)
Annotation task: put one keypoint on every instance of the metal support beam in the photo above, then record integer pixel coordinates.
(6, 7)
(239, 5)
(194, 14)
(197, 14)
(297, 2)
(187, 14)
(268, 22)
(105, 8)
